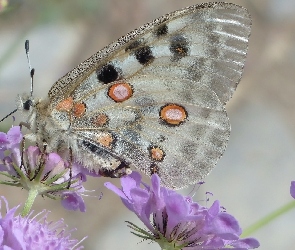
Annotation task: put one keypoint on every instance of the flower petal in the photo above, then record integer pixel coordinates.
(14, 135)
(73, 201)
(247, 243)
(33, 154)
(177, 210)
(292, 189)
(115, 189)
(226, 226)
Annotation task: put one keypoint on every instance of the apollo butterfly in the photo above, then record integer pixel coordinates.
(153, 100)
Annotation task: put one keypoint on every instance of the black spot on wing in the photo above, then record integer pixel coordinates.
(154, 169)
(179, 46)
(93, 147)
(100, 150)
(107, 73)
(144, 55)
(119, 172)
(161, 30)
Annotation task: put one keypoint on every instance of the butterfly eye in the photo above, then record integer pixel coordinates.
(28, 104)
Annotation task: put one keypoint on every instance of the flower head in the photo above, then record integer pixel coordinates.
(175, 221)
(40, 173)
(17, 232)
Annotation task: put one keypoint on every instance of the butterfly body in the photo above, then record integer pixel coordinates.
(153, 100)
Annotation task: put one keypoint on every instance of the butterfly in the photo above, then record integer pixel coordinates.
(153, 100)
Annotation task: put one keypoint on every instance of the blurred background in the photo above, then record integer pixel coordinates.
(253, 177)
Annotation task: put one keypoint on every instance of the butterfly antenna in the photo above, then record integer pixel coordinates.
(8, 115)
(32, 70)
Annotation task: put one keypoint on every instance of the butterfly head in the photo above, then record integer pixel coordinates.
(26, 104)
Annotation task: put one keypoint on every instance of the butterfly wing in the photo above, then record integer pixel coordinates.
(155, 98)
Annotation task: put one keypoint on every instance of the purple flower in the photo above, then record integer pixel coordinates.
(292, 189)
(175, 221)
(11, 142)
(73, 201)
(40, 173)
(34, 232)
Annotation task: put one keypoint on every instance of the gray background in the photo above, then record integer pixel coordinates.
(253, 177)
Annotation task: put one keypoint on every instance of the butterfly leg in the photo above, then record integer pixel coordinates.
(30, 136)
(25, 124)
(122, 170)
(41, 161)
(22, 163)
(22, 152)
(71, 164)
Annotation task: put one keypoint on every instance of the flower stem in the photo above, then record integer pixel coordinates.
(270, 217)
(29, 203)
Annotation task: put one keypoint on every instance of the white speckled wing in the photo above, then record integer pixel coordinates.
(154, 99)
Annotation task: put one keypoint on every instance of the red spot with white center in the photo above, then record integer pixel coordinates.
(120, 92)
(173, 114)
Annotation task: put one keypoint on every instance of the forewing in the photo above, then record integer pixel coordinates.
(219, 34)
(155, 98)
